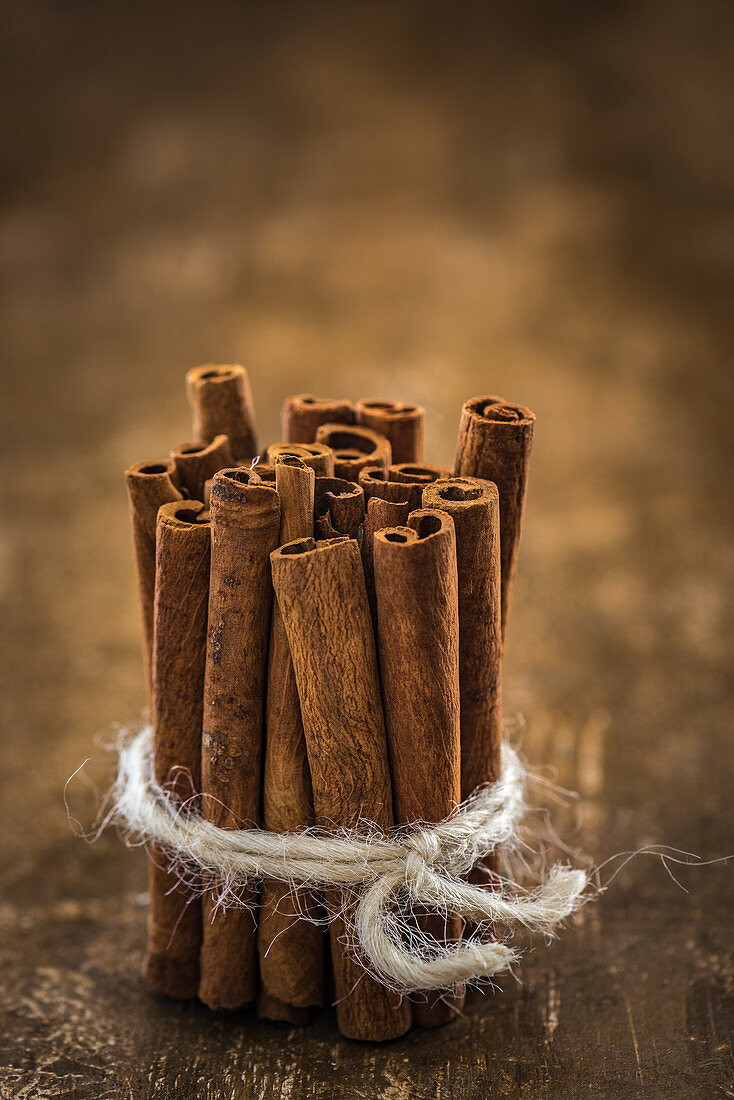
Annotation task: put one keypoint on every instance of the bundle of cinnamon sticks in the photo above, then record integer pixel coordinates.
(323, 626)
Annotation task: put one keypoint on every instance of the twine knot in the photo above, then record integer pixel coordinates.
(396, 872)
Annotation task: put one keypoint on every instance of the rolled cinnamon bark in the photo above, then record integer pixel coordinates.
(291, 950)
(245, 518)
(377, 483)
(197, 463)
(495, 441)
(416, 584)
(303, 414)
(414, 474)
(316, 455)
(149, 485)
(403, 425)
(221, 401)
(354, 448)
(473, 505)
(380, 514)
(338, 507)
(264, 470)
(182, 582)
(322, 598)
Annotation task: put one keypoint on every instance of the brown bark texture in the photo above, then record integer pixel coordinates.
(495, 441)
(197, 463)
(303, 414)
(322, 598)
(403, 425)
(380, 514)
(245, 518)
(474, 507)
(149, 485)
(171, 964)
(291, 950)
(416, 585)
(316, 455)
(354, 448)
(338, 507)
(221, 401)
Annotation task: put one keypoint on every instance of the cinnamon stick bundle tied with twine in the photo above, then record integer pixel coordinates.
(308, 693)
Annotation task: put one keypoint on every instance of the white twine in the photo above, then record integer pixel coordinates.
(397, 873)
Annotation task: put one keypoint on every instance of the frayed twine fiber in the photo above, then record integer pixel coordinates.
(395, 874)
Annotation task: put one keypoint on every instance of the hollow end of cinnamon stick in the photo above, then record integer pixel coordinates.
(339, 507)
(196, 463)
(354, 448)
(221, 402)
(303, 414)
(403, 425)
(414, 474)
(376, 482)
(316, 455)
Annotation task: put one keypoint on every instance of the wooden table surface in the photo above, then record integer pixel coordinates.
(402, 200)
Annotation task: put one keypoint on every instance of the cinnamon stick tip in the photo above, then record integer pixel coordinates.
(209, 373)
(184, 513)
(201, 447)
(498, 409)
(460, 490)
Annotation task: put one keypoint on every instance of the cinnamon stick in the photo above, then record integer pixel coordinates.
(495, 441)
(182, 582)
(245, 518)
(354, 448)
(376, 482)
(416, 584)
(414, 474)
(149, 485)
(380, 514)
(221, 401)
(403, 425)
(291, 950)
(322, 598)
(338, 507)
(316, 455)
(303, 414)
(473, 505)
(197, 463)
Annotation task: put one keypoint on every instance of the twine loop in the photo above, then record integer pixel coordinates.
(396, 874)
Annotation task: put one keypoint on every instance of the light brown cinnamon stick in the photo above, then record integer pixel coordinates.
(303, 414)
(245, 518)
(182, 583)
(316, 455)
(416, 584)
(354, 448)
(322, 598)
(473, 505)
(291, 950)
(338, 507)
(197, 463)
(403, 425)
(380, 514)
(377, 483)
(221, 401)
(495, 441)
(149, 485)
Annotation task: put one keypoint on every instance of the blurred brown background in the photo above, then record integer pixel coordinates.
(414, 200)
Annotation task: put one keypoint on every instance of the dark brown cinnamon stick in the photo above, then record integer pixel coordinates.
(354, 448)
(197, 463)
(149, 485)
(403, 425)
(182, 584)
(380, 514)
(303, 414)
(292, 963)
(474, 507)
(221, 401)
(322, 598)
(495, 441)
(416, 474)
(245, 519)
(338, 507)
(316, 455)
(416, 584)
